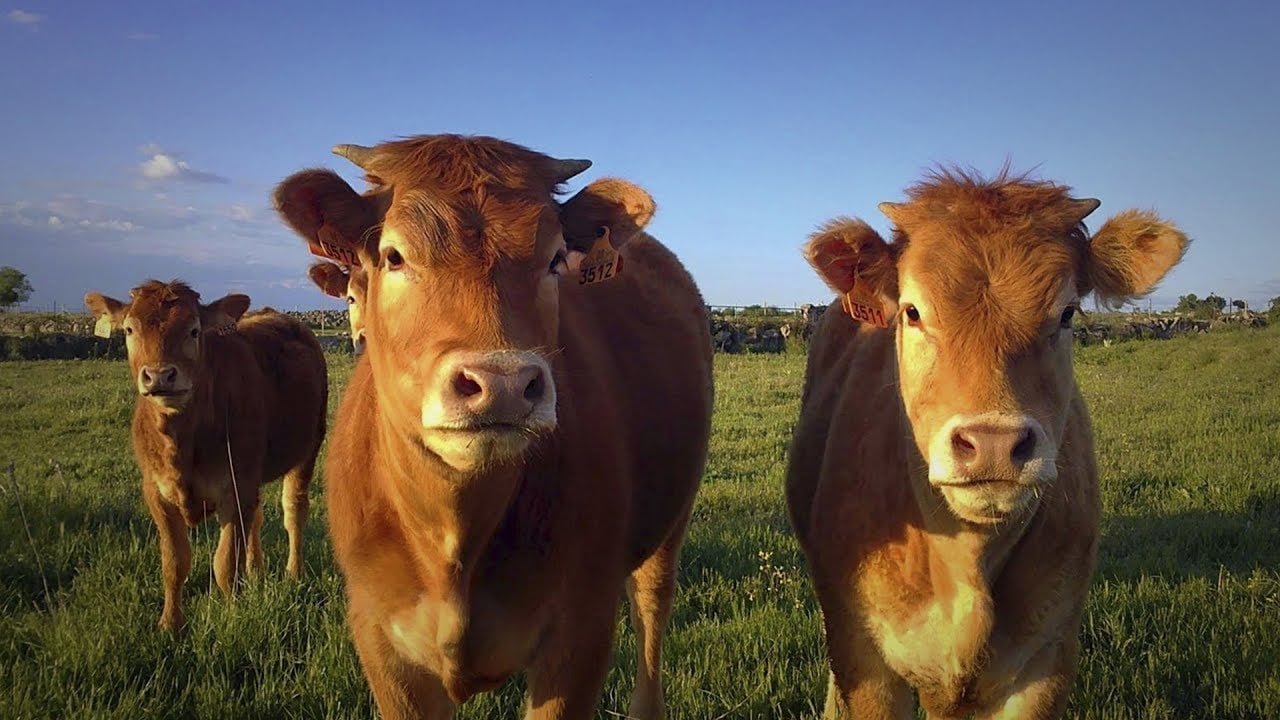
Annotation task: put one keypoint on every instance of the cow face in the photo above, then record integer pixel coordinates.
(350, 285)
(466, 252)
(165, 327)
(982, 281)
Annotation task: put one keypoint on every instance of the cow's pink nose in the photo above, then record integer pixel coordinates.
(498, 394)
(991, 452)
(157, 378)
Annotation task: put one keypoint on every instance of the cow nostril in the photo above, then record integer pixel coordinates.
(465, 386)
(1026, 446)
(534, 390)
(170, 375)
(962, 447)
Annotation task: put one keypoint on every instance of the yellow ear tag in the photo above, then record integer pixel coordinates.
(326, 245)
(102, 328)
(864, 306)
(601, 262)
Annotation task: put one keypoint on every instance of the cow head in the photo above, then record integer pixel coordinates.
(350, 285)
(981, 283)
(165, 327)
(466, 252)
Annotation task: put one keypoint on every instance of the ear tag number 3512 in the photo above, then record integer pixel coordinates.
(598, 264)
(327, 244)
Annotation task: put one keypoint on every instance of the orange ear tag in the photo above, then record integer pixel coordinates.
(598, 264)
(864, 306)
(325, 245)
(102, 328)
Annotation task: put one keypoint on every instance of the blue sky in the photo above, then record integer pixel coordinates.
(143, 139)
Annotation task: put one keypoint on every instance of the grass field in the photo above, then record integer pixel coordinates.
(1183, 621)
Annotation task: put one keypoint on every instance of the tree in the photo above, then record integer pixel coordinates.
(1273, 310)
(1217, 303)
(14, 287)
(1239, 304)
(1188, 303)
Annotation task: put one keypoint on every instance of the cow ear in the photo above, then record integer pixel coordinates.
(846, 252)
(1130, 254)
(109, 308)
(622, 207)
(329, 278)
(336, 221)
(224, 312)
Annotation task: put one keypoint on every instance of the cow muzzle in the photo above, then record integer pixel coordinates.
(991, 466)
(486, 408)
(163, 384)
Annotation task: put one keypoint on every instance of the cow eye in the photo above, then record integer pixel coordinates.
(394, 260)
(128, 329)
(1067, 314)
(351, 300)
(558, 263)
(195, 332)
(912, 313)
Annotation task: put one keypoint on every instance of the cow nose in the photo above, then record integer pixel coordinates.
(158, 378)
(499, 394)
(992, 452)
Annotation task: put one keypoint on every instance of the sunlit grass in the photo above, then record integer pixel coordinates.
(1184, 619)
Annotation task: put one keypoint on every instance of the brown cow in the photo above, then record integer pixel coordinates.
(216, 385)
(513, 448)
(349, 284)
(942, 479)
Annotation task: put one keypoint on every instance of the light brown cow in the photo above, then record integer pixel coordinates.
(513, 448)
(942, 479)
(226, 402)
(348, 284)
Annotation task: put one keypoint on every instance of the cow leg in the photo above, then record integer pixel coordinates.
(401, 691)
(861, 685)
(296, 504)
(1044, 684)
(253, 564)
(568, 673)
(650, 592)
(234, 515)
(175, 554)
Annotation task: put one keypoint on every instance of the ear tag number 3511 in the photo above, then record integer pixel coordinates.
(864, 306)
(598, 264)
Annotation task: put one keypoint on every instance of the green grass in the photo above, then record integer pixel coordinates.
(1183, 621)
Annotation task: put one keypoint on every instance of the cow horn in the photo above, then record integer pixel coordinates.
(890, 210)
(1082, 207)
(358, 154)
(565, 169)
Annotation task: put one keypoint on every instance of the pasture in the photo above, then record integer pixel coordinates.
(1183, 620)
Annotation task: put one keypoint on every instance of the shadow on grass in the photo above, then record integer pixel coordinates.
(1198, 543)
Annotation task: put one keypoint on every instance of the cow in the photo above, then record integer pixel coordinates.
(520, 441)
(348, 284)
(941, 478)
(227, 401)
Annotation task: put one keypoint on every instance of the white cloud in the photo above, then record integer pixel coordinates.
(23, 17)
(164, 166)
(71, 213)
(240, 212)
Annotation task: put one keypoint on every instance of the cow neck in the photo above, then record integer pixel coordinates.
(448, 518)
(972, 551)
